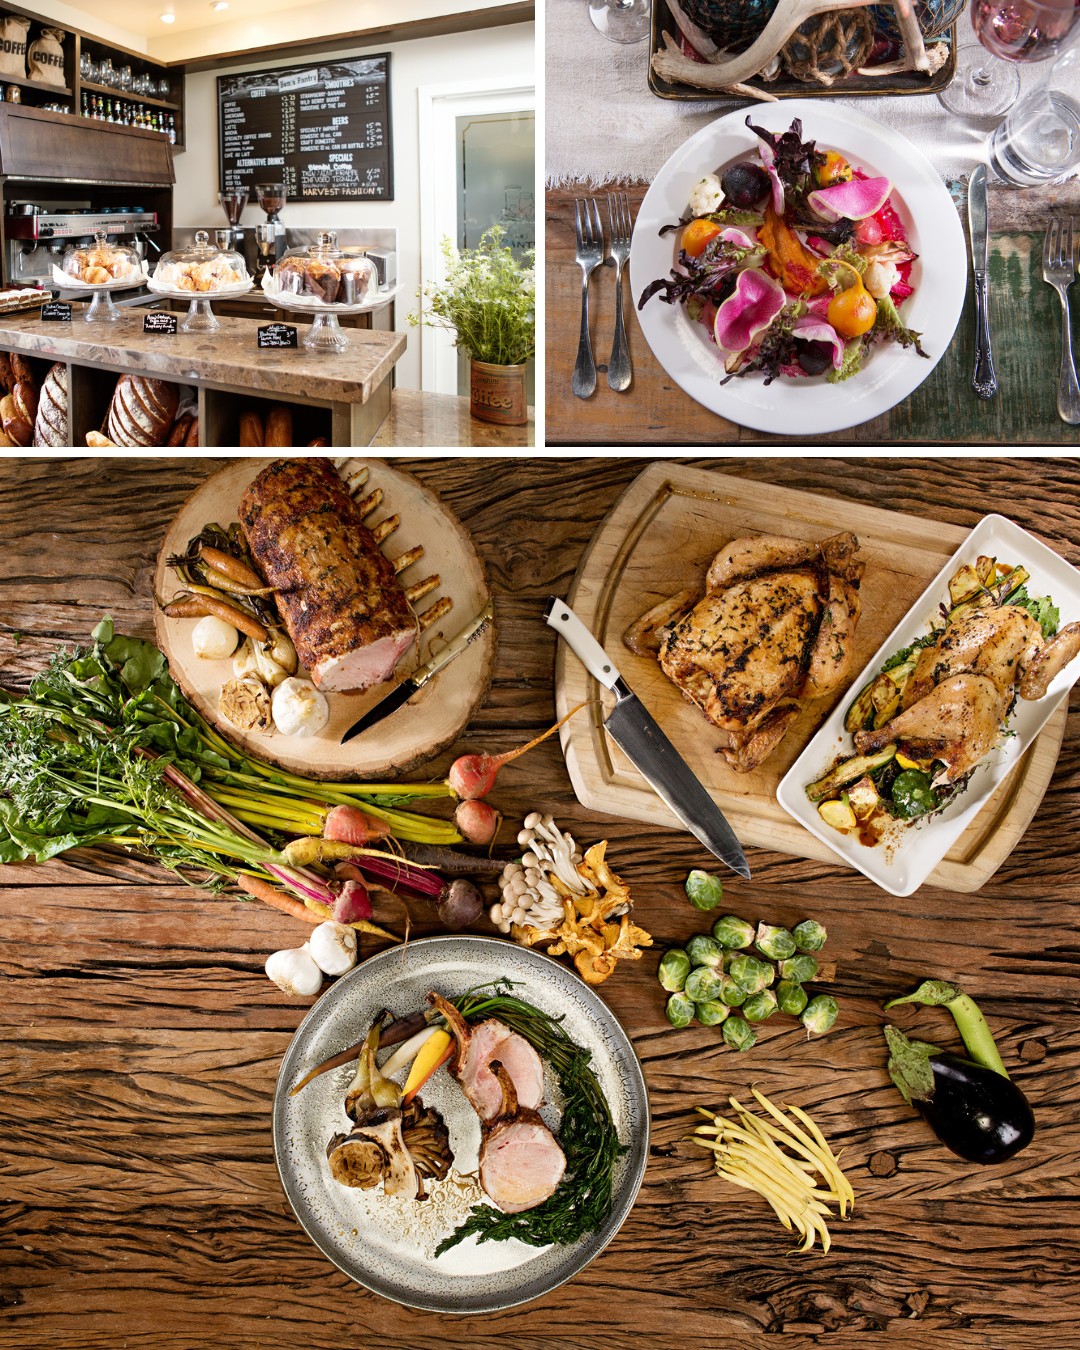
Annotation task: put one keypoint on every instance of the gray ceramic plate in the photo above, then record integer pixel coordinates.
(373, 1240)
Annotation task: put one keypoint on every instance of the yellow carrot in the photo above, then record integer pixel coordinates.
(434, 1052)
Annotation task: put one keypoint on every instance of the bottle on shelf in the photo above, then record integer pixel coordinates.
(172, 129)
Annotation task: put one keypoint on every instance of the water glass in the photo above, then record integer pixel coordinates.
(1039, 141)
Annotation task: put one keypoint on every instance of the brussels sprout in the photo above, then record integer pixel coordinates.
(705, 951)
(733, 932)
(674, 968)
(703, 890)
(702, 984)
(739, 1034)
(680, 1010)
(802, 968)
(711, 1014)
(775, 943)
(759, 1006)
(809, 936)
(820, 1014)
(753, 975)
(790, 997)
(734, 995)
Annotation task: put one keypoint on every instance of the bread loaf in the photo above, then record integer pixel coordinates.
(142, 411)
(20, 367)
(15, 425)
(251, 429)
(192, 438)
(279, 425)
(7, 375)
(98, 441)
(25, 395)
(51, 425)
(181, 427)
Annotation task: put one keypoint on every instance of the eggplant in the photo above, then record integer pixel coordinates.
(978, 1113)
(975, 1112)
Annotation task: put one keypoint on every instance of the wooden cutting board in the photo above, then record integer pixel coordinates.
(431, 720)
(659, 539)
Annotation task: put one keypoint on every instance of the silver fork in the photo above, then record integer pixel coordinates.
(619, 372)
(590, 254)
(1059, 270)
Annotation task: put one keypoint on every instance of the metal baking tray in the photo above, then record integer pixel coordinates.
(909, 82)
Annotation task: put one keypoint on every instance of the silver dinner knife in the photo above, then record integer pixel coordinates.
(983, 380)
(634, 731)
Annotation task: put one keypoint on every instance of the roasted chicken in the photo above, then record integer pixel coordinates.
(774, 629)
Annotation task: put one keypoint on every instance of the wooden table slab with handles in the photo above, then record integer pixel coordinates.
(140, 1205)
(1025, 325)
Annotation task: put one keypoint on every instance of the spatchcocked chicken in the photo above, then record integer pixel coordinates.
(957, 698)
(773, 630)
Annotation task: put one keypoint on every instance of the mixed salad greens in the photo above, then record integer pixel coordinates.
(795, 266)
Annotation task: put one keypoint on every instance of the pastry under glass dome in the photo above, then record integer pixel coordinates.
(324, 282)
(199, 273)
(101, 267)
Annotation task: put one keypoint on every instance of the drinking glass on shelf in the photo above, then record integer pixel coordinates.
(621, 20)
(85, 62)
(124, 79)
(106, 74)
(987, 82)
(163, 89)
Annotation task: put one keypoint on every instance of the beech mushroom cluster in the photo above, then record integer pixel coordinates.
(529, 894)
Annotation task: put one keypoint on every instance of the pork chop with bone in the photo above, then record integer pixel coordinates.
(337, 593)
(774, 629)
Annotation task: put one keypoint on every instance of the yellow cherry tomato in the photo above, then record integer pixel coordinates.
(836, 169)
(697, 235)
(852, 312)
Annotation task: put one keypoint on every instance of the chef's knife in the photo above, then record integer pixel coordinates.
(983, 380)
(404, 691)
(633, 729)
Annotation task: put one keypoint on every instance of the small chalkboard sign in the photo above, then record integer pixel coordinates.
(277, 335)
(157, 321)
(56, 311)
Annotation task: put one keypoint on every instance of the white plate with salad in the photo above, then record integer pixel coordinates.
(928, 223)
(901, 858)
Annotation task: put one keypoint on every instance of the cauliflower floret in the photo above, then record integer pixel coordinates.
(880, 277)
(705, 196)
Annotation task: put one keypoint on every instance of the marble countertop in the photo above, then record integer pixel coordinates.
(443, 420)
(228, 357)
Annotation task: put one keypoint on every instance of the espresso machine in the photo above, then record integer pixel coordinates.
(36, 236)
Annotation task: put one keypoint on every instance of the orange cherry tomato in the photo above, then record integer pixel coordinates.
(852, 312)
(697, 235)
(836, 169)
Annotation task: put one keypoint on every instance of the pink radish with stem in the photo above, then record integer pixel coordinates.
(478, 821)
(473, 776)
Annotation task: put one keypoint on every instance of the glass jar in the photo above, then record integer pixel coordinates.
(103, 266)
(201, 271)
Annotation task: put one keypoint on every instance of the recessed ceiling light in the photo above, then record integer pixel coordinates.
(220, 4)
(168, 18)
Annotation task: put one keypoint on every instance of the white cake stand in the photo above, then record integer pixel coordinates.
(200, 317)
(325, 333)
(101, 309)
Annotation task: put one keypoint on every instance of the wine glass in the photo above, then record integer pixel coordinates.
(987, 82)
(621, 20)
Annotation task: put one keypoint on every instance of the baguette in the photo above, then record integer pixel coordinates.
(14, 424)
(98, 441)
(5, 441)
(25, 395)
(192, 437)
(180, 430)
(279, 425)
(251, 429)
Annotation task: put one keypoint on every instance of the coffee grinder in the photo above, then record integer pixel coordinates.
(270, 237)
(233, 203)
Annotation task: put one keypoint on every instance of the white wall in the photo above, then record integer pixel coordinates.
(461, 56)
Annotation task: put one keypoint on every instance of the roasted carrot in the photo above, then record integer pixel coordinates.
(185, 609)
(239, 618)
(232, 567)
(270, 895)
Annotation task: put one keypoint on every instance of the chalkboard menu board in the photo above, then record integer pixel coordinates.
(321, 129)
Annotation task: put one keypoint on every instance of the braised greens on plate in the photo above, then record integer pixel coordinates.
(796, 265)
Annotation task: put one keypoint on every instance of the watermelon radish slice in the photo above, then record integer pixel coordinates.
(757, 300)
(811, 329)
(853, 200)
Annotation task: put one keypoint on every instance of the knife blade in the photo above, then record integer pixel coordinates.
(633, 729)
(983, 379)
(401, 693)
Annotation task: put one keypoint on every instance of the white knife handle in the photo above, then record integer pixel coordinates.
(581, 642)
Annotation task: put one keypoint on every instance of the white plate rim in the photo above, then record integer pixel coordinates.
(923, 847)
(577, 1257)
(806, 407)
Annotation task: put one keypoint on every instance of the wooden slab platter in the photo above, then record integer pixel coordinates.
(659, 539)
(431, 720)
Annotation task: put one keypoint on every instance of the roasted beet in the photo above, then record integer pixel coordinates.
(744, 185)
(814, 357)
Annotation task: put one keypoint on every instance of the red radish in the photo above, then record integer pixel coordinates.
(353, 903)
(478, 821)
(473, 776)
(350, 825)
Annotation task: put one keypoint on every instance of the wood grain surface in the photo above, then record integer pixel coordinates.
(1024, 319)
(139, 1202)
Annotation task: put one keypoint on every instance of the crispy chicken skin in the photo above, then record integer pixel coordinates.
(774, 628)
(337, 593)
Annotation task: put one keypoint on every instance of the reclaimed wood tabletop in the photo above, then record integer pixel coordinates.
(1025, 327)
(140, 1205)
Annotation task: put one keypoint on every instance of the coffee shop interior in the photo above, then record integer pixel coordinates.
(246, 222)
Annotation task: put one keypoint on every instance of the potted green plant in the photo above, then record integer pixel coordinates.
(488, 300)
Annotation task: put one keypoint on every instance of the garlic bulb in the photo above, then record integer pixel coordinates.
(298, 708)
(333, 947)
(269, 670)
(244, 660)
(213, 639)
(294, 972)
(246, 703)
(281, 650)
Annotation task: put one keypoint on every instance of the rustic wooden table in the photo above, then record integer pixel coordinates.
(139, 1201)
(1025, 325)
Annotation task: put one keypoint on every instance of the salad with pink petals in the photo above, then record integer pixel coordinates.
(796, 266)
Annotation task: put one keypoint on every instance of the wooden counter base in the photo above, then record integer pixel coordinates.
(349, 391)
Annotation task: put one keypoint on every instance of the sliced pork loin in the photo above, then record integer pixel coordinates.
(478, 1048)
(337, 593)
(521, 1163)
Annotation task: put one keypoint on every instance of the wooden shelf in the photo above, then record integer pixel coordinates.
(39, 86)
(127, 95)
